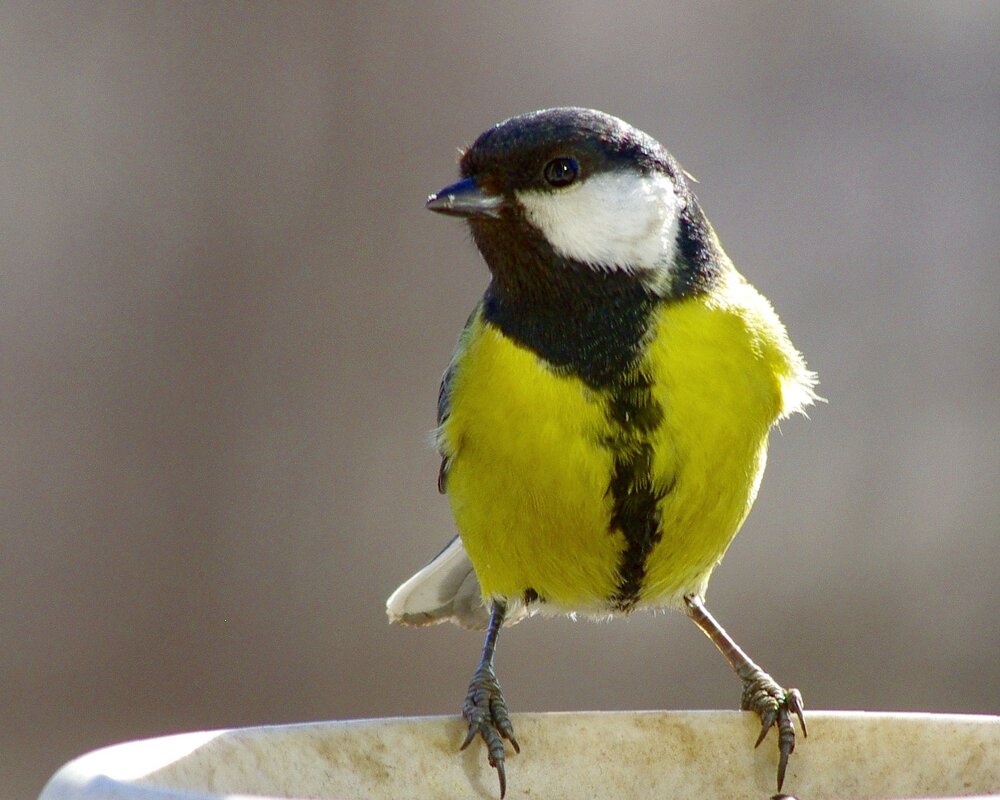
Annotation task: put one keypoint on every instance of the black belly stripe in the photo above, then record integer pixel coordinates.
(635, 416)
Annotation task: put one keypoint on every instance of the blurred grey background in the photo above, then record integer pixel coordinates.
(225, 312)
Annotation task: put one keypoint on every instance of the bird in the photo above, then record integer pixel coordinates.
(603, 424)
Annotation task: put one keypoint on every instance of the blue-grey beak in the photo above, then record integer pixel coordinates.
(465, 199)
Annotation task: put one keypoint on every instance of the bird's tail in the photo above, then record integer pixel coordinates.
(446, 590)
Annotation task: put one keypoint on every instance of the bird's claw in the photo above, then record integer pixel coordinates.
(486, 712)
(775, 707)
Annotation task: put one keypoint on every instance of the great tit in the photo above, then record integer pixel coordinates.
(603, 424)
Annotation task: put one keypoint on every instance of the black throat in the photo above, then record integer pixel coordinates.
(589, 322)
(594, 328)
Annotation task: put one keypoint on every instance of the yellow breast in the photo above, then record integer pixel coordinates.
(726, 372)
(528, 479)
(530, 465)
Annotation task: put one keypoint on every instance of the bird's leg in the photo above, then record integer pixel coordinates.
(485, 709)
(761, 694)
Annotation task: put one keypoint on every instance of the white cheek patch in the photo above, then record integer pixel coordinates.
(616, 220)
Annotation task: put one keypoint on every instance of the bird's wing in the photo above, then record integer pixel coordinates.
(444, 392)
(446, 590)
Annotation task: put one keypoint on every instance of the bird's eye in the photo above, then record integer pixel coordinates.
(561, 172)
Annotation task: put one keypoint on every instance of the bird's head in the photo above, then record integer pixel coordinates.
(575, 189)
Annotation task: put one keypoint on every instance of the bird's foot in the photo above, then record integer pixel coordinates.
(775, 706)
(486, 712)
